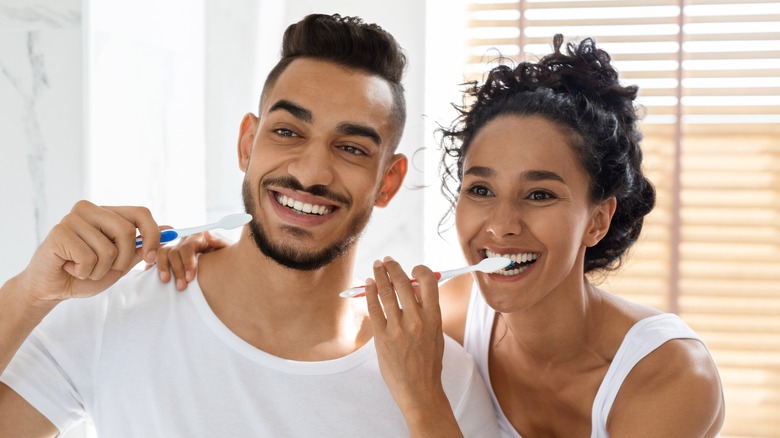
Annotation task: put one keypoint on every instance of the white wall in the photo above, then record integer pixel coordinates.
(132, 107)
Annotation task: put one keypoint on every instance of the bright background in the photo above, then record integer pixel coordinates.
(140, 102)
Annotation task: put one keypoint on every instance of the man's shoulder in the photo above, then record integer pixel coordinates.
(138, 289)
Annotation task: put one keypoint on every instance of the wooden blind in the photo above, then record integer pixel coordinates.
(709, 78)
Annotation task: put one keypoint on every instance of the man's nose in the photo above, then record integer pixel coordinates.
(313, 165)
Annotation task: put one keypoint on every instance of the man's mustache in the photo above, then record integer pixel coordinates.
(289, 182)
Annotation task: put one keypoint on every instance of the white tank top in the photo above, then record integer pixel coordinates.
(643, 338)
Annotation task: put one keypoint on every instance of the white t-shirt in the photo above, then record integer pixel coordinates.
(143, 360)
(642, 339)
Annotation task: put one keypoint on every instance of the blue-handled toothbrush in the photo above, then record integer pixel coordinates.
(226, 223)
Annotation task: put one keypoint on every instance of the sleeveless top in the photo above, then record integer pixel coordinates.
(642, 339)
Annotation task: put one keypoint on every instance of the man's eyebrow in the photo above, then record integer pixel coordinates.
(531, 175)
(296, 110)
(361, 130)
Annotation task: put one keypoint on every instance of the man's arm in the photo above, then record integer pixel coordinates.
(88, 251)
(20, 419)
(18, 318)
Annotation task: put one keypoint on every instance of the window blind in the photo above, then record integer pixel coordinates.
(709, 78)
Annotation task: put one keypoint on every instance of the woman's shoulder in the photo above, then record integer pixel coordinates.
(454, 297)
(677, 382)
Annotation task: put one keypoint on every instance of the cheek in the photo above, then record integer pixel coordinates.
(361, 185)
(467, 222)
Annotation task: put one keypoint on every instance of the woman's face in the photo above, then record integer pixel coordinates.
(525, 196)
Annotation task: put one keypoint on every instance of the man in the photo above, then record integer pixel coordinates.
(262, 345)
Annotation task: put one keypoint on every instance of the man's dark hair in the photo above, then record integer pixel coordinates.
(350, 43)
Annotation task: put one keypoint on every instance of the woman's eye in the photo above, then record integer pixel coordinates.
(540, 195)
(480, 191)
(353, 150)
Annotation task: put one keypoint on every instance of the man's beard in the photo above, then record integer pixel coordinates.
(287, 255)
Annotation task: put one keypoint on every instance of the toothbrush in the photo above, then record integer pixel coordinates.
(226, 223)
(490, 264)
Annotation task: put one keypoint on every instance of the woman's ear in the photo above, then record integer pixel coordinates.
(246, 139)
(394, 177)
(600, 220)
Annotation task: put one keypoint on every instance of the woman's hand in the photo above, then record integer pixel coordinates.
(182, 260)
(410, 346)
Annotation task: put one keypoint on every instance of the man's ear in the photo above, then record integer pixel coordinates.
(394, 177)
(246, 139)
(600, 220)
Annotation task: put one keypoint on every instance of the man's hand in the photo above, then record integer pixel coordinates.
(88, 251)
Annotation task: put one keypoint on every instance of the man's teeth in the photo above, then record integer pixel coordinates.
(302, 207)
(526, 257)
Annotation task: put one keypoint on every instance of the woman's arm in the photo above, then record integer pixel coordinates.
(410, 345)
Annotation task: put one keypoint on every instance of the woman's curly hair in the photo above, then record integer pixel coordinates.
(579, 91)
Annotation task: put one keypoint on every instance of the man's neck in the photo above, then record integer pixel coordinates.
(285, 312)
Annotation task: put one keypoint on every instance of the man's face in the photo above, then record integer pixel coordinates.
(317, 161)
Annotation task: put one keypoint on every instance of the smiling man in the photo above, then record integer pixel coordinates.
(261, 344)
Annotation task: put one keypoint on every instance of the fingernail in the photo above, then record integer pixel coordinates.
(377, 263)
(370, 282)
(389, 259)
(164, 276)
(189, 275)
(151, 256)
(180, 284)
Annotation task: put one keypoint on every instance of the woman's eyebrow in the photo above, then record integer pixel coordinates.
(530, 175)
(480, 171)
(542, 175)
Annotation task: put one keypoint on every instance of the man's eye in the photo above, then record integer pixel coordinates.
(353, 150)
(284, 132)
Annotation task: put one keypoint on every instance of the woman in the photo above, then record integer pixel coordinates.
(547, 167)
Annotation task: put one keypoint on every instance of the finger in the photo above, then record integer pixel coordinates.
(429, 288)
(402, 284)
(177, 267)
(375, 313)
(119, 224)
(114, 226)
(89, 249)
(189, 248)
(140, 218)
(163, 263)
(386, 292)
(215, 240)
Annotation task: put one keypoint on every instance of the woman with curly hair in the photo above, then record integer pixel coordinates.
(547, 170)
(542, 166)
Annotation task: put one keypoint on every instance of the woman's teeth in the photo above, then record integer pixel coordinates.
(302, 207)
(521, 261)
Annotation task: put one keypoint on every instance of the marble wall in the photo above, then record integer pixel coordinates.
(41, 122)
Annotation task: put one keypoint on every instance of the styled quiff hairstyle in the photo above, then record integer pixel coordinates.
(350, 43)
(579, 91)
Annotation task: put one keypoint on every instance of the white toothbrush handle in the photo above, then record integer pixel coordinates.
(359, 291)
